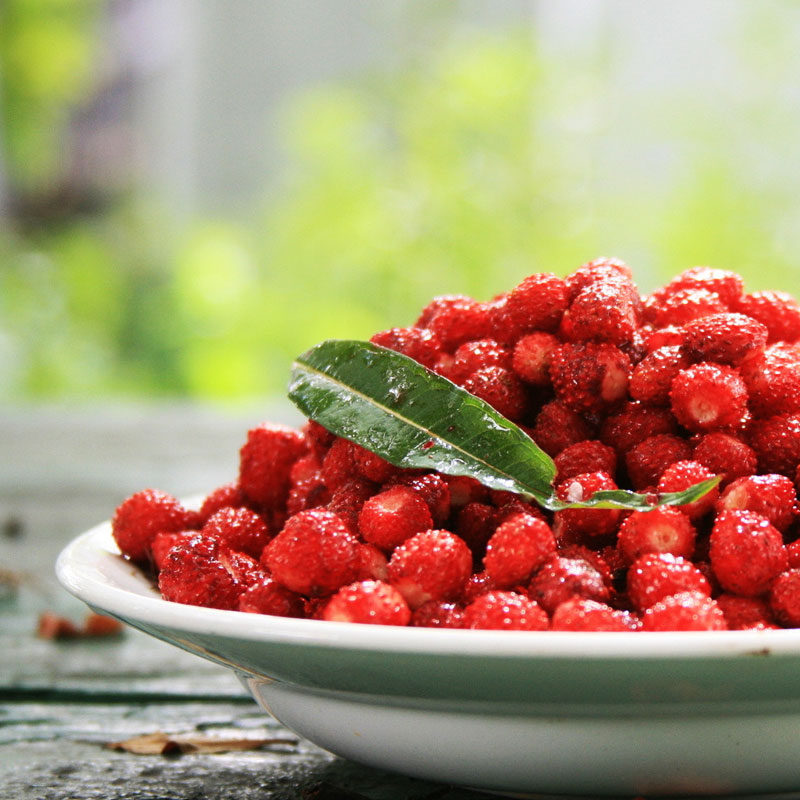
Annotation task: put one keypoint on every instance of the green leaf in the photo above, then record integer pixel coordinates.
(414, 418)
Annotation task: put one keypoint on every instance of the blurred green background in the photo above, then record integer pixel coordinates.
(191, 193)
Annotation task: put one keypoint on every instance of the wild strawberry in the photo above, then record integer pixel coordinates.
(725, 455)
(598, 270)
(647, 461)
(507, 611)
(557, 427)
(779, 311)
(372, 563)
(633, 423)
(604, 311)
(418, 343)
(389, 518)
(535, 304)
(686, 611)
(432, 488)
(532, 356)
(668, 309)
(772, 496)
(590, 455)
(652, 377)
(662, 530)
(338, 464)
(784, 598)
(431, 565)
(709, 397)
(560, 579)
(267, 596)
(202, 571)
(307, 487)
(348, 499)
(792, 553)
(475, 524)
(319, 438)
(668, 336)
(682, 475)
(776, 442)
(240, 528)
(580, 614)
(164, 542)
(464, 490)
(314, 554)
(368, 602)
(747, 553)
(589, 376)
(264, 462)
(501, 389)
(472, 356)
(370, 466)
(576, 523)
(772, 377)
(141, 516)
(517, 549)
(227, 496)
(438, 614)
(726, 284)
(744, 613)
(455, 319)
(654, 576)
(477, 584)
(723, 338)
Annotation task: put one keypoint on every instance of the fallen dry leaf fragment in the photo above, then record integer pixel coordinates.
(155, 744)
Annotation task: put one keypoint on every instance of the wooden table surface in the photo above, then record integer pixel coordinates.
(62, 701)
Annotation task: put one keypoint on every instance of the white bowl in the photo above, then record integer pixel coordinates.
(516, 712)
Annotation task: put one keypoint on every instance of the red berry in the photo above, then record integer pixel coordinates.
(598, 270)
(418, 343)
(472, 356)
(709, 397)
(338, 464)
(164, 542)
(314, 554)
(590, 455)
(532, 356)
(455, 319)
(318, 437)
(633, 423)
(725, 455)
(432, 488)
(784, 598)
(724, 338)
(557, 427)
(438, 614)
(203, 571)
(464, 490)
(267, 596)
(779, 311)
(772, 496)
(501, 389)
(536, 304)
(240, 528)
(666, 309)
(772, 377)
(726, 284)
(348, 499)
(590, 376)
(580, 614)
(141, 516)
(560, 579)
(668, 336)
(307, 487)
(372, 563)
(743, 613)
(431, 565)
(605, 311)
(227, 496)
(682, 475)
(389, 518)
(746, 552)
(647, 461)
(686, 611)
(654, 576)
(368, 602)
(264, 462)
(776, 442)
(507, 611)
(662, 530)
(576, 523)
(518, 547)
(370, 466)
(652, 377)
(475, 524)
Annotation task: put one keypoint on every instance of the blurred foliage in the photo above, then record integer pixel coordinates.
(461, 171)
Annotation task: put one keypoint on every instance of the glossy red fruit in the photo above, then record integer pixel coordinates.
(419, 343)
(507, 611)
(662, 530)
(687, 611)
(390, 517)
(517, 548)
(240, 528)
(682, 475)
(709, 397)
(580, 614)
(368, 602)
(267, 596)
(772, 496)
(560, 579)
(654, 576)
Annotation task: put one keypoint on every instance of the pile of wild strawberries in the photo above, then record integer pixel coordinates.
(652, 393)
